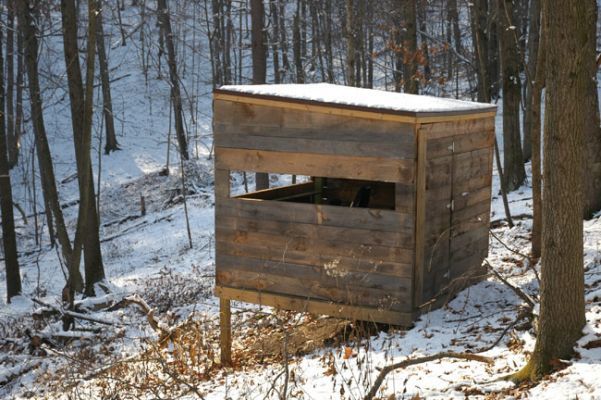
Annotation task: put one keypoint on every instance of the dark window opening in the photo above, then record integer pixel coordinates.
(318, 190)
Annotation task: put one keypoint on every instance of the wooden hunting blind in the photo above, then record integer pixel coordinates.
(396, 207)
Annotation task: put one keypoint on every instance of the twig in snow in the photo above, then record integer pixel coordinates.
(407, 363)
(519, 292)
(521, 316)
(152, 321)
(530, 266)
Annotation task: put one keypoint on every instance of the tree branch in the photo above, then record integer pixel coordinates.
(407, 363)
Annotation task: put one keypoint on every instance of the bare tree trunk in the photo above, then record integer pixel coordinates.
(592, 135)
(283, 37)
(12, 136)
(87, 234)
(297, 48)
(30, 47)
(259, 59)
(533, 43)
(492, 28)
(9, 239)
(535, 139)
(480, 36)
(216, 41)
(409, 13)
(454, 17)
(350, 43)
(178, 112)
(570, 27)
(422, 10)
(227, 48)
(107, 106)
(328, 41)
(370, 48)
(19, 87)
(513, 160)
(317, 38)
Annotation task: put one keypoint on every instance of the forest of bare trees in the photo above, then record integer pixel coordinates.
(535, 59)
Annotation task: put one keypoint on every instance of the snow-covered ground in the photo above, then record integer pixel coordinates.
(119, 355)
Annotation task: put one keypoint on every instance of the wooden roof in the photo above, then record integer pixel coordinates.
(352, 105)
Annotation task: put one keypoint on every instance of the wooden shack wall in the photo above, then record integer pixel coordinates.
(458, 166)
(348, 256)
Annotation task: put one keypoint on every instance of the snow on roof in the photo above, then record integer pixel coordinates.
(352, 96)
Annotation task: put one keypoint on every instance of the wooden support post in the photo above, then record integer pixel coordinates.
(225, 324)
(420, 217)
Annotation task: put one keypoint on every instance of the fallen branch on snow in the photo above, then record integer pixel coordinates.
(152, 321)
(72, 314)
(519, 292)
(407, 363)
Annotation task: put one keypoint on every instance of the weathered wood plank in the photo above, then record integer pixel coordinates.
(444, 146)
(439, 172)
(475, 183)
(420, 218)
(404, 197)
(328, 276)
(471, 164)
(330, 247)
(453, 128)
(232, 114)
(477, 245)
(353, 111)
(302, 304)
(298, 280)
(402, 238)
(338, 130)
(222, 183)
(382, 149)
(317, 258)
(469, 267)
(470, 212)
(471, 198)
(278, 192)
(378, 220)
(332, 166)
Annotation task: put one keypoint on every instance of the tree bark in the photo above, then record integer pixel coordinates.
(535, 140)
(297, 48)
(107, 102)
(259, 60)
(492, 28)
(513, 160)
(81, 100)
(30, 49)
(329, 53)
(480, 36)
(12, 136)
(275, 32)
(533, 44)
(19, 86)
(9, 239)
(592, 132)
(409, 13)
(350, 43)
(422, 11)
(570, 28)
(283, 39)
(178, 112)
